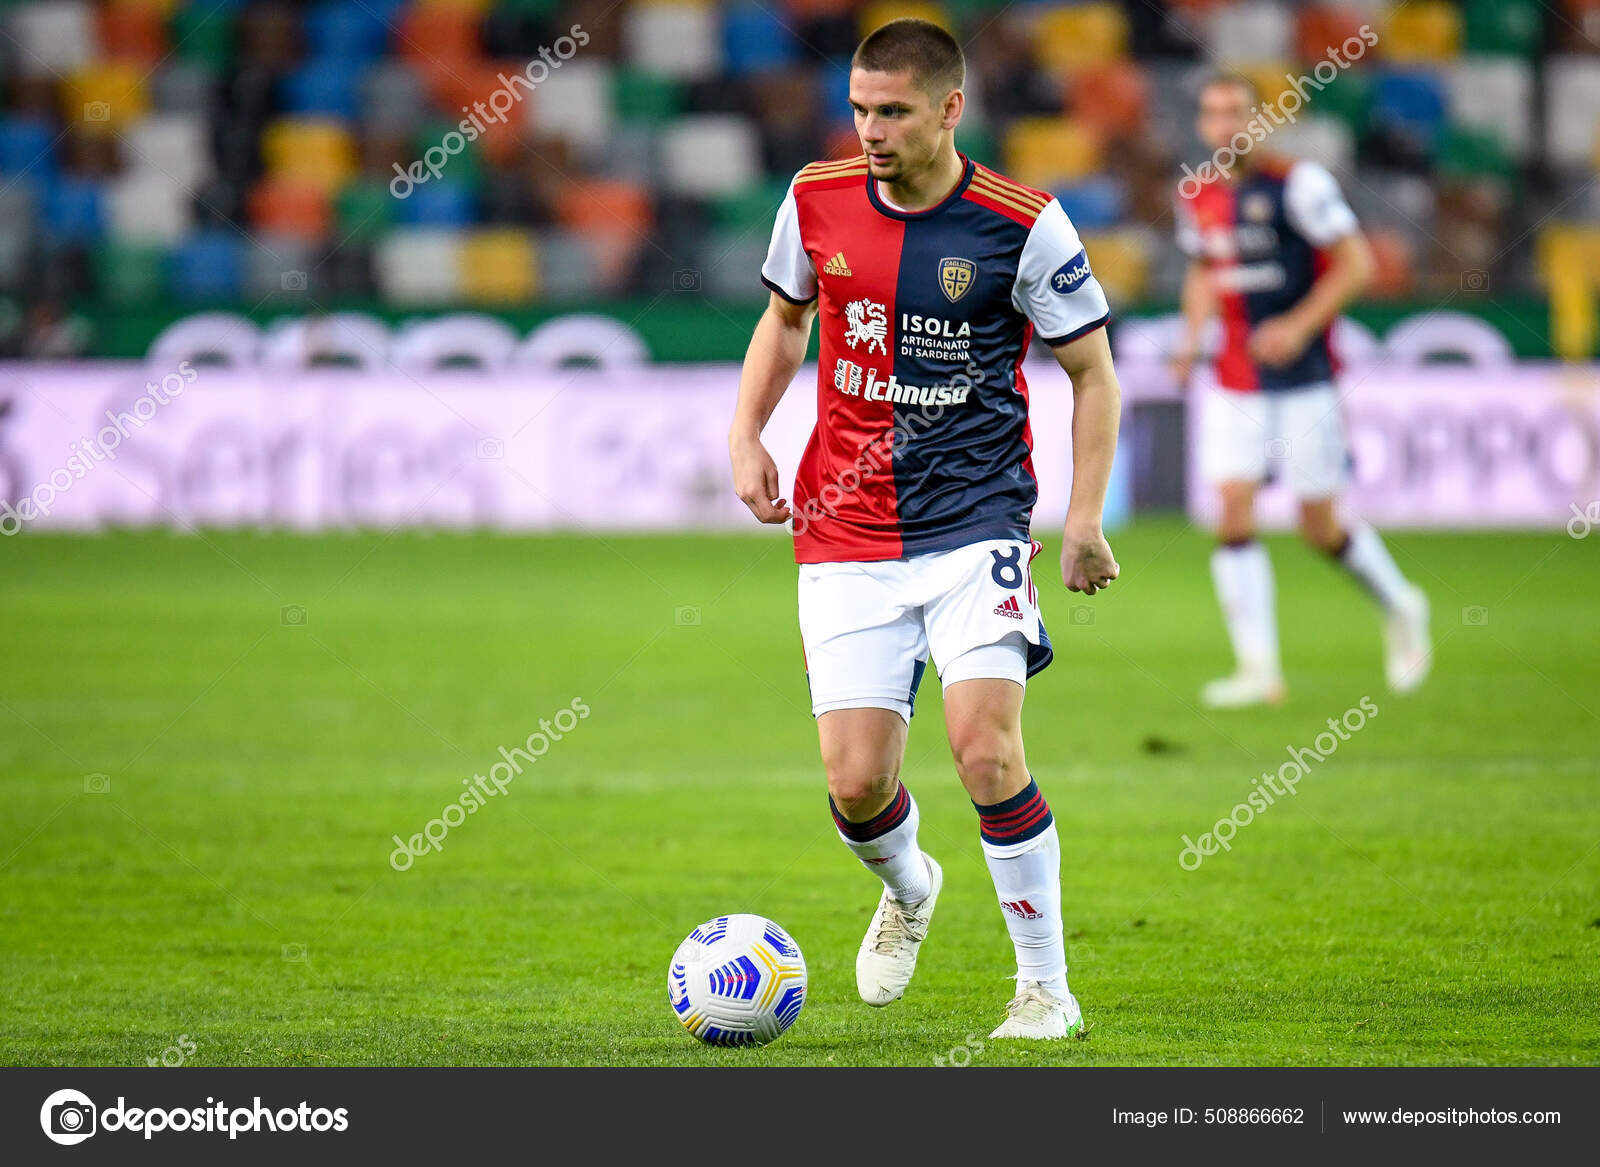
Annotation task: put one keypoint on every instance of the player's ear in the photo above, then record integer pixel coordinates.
(955, 104)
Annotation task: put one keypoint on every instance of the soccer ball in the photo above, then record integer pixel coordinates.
(737, 980)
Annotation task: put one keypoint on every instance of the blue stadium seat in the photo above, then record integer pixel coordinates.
(1412, 102)
(72, 210)
(1096, 204)
(348, 29)
(209, 266)
(26, 144)
(439, 202)
(755, 39)
(324, 86)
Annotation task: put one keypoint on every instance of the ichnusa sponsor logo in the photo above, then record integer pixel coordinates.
(854, 381)
(1070, 275)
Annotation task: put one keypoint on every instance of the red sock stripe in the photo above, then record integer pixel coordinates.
(1017, 819)
(882, 823)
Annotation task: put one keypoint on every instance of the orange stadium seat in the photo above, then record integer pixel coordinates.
(132, 31)
(601, 206)
(298, 209)
(1111, 98)
(436, 32)
(1325, 26)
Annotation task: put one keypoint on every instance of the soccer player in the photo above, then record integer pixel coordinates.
(929, 275)
(1276, 250)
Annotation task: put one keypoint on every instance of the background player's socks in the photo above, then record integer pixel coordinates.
(1365, 557)
(886, 844)
(1243, 577)
(1024, 857)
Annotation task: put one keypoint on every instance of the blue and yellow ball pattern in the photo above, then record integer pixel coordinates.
(737, 980)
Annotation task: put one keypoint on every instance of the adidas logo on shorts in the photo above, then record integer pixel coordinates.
(1010, 608)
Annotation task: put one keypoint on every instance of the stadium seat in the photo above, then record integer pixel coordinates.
(440, 202)
(326, 86)
(1320, 27)
(679, 39)
(146, 206)
(363, 211)
(601, 206)
(499, 266)
(1066, 39)
(184, 87)
(71, 210)
(1572, 109)
(1421, 30)
(1249, 32)
(105, 96)
(575, 104)
(133, 31)
(646, 98)
(280, 267)
(317, 150)
(26, 144)
(177, 145)
(1326, 140)
(705, 155)
(1507, 27)
(1110, 98)
(877, 13)
(289, 207)
(1096, 204)
(130, 275)
(419, 265)
(202, 33)
(392, 97)
(53, 39)
(1411, 103)
(570, 266)
(755, 39)
(1121, 262)
(1045, 152)
(345, 30)
(208, 266)
(438, 32)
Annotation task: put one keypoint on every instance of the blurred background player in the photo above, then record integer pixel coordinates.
(1277, 252)
(912, 500)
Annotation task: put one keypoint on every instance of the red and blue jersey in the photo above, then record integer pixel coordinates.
(1263, 240)
(922, 441)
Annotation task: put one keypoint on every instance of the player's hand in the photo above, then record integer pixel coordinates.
(755, 480)
(1277, 341)
(1087, 564)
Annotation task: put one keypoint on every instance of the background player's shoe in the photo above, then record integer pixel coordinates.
(1245, 687)
(1034, 1013)
(888, 953)
(1407, 644)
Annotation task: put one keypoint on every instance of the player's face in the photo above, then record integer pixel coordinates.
(1224, 112)
(899, 124)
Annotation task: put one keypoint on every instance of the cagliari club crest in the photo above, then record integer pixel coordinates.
(955, 277)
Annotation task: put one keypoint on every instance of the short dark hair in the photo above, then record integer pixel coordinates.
(1252, 92)
(929, 53)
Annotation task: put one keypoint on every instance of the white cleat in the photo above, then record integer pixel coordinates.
(1407, 645)
(1244, 688)
(888, 954)
(1034, 1013)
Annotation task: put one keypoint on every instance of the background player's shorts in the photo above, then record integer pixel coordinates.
(869, 628)
(1247, 436)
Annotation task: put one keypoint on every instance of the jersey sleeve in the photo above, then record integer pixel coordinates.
(788, 269)
(1187, 229)
(1315, 205)
(1055, 288)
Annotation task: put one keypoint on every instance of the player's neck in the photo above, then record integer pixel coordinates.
(927, 188)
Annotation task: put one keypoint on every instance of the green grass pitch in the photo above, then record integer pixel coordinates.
(1431, 895)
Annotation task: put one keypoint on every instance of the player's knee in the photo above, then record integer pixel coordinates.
(860, 783)
(1323, 533)
(986, 761)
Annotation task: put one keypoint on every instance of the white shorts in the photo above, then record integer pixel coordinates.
(868, 628)
(1260, 434)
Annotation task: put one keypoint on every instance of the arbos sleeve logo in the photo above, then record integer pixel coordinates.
(1070, 275)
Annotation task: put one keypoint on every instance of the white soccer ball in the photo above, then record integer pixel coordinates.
(737, 980)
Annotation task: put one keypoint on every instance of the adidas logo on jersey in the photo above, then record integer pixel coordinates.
(1010, 608)
(837, 267)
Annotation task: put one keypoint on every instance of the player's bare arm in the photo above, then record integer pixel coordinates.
(1087, 564)
(1281, 339)
(1198, 304)
(777, 350)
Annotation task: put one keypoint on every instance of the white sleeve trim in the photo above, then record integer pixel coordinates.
(1055, 287)
(788, 269)
(1315, 206)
